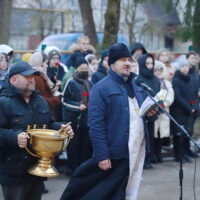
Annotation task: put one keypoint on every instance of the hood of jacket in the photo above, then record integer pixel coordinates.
(76, 48)
(143, 70)
(138, 45)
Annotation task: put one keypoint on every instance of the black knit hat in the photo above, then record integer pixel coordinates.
(117, 51)
(80, 60)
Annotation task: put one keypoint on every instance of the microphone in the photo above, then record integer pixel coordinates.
(150, 92)
(141, 83)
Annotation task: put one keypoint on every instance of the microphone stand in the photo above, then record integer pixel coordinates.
(183, 131)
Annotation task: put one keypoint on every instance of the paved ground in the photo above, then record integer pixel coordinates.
(160, 183)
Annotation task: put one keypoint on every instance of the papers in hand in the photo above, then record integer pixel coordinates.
(147, 105)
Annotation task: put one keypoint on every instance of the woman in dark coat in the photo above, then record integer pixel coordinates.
(75, 109)
(192, 58)
(146, 74)
(182, 109)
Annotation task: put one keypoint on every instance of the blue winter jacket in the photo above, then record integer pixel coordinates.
(108, 118)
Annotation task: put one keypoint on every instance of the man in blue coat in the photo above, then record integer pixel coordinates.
(106, 175)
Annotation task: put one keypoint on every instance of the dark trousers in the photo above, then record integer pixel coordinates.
(72, 151)
(90, 182)
(84, 144)
(158, 143)
(27, 191)
(182, 141)
(181, 146)
(149, 157)
(158, 147)
(79, 149)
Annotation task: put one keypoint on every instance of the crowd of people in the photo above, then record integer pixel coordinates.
(97, 95)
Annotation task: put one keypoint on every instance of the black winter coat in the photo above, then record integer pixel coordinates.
(71, 101)
(99, 74)
(194, 87)
(182, 105)
(55, 73)
(15, 115)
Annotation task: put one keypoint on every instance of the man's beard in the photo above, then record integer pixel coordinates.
(28, 90)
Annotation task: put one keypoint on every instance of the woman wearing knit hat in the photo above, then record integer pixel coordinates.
(38, 61)
(117, 135)
(56, 70)
(75, 109)
(182, 110)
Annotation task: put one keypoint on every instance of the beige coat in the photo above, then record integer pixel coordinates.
(162, 124)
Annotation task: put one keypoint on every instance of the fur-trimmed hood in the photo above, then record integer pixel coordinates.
(76, 48)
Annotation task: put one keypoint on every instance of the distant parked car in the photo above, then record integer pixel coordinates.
(63, 41)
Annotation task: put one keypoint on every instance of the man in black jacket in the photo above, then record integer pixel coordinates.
(20, 106)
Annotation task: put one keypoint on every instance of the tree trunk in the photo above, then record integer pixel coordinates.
(112, 17)
(41, 26)
(62, 16)
(196, 27)
(88, 21)
(5, 17)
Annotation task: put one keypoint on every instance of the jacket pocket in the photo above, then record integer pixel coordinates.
(19, 119)
(44, 116)
(17, 164)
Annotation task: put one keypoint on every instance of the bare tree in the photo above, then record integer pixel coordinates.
(196, 27)
(5, 17)
(129, 8)
(112, 17)
(45, 21)
(88, 21)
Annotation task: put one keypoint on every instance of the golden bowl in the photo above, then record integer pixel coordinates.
(45, 144)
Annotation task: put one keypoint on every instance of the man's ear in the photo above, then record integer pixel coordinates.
(13, 79)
